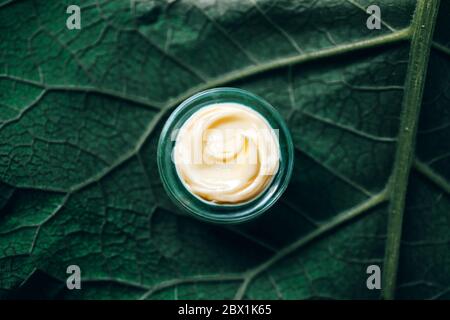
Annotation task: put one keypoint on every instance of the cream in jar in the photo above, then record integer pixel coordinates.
(226, 153)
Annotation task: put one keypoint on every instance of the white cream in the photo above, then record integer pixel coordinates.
(226, 153)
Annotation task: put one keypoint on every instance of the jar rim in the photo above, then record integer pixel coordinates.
(210, 211)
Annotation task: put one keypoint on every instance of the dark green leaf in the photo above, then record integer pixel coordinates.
(81, 112)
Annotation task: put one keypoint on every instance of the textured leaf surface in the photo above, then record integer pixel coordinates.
(81, 111)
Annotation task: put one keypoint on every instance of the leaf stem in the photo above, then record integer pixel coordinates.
(422, 28)
(250, 71)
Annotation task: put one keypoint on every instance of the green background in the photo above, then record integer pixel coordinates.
(81, 112)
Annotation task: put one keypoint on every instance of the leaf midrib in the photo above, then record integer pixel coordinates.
(422, 28)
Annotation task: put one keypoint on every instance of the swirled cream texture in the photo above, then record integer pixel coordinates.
(226, 153)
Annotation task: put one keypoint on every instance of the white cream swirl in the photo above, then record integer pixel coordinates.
(226, 153)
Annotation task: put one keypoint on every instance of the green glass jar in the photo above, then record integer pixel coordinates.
(210, 211)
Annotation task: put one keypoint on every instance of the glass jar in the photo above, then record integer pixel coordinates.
(210, 211)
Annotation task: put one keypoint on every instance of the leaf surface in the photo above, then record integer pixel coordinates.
(81, 112)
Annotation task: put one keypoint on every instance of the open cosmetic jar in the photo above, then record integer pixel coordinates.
(245, 155)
